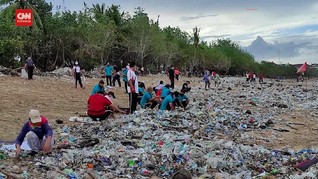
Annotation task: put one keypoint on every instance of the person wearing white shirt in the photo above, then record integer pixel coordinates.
(133, 87)
(159, 86)
(77, 74)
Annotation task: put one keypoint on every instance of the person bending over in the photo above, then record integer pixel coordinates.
(37, 132)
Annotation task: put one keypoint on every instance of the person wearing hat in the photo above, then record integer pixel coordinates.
(37, 132)
(111, 95)
(97, 105)
(77, 74)
(109, 72)
(99, 87)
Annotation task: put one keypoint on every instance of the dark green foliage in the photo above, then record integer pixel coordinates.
(100, 34)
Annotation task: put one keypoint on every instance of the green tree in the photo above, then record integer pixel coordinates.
(9, 11)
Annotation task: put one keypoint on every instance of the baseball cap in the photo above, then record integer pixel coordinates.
(111, 93)
(34, 116)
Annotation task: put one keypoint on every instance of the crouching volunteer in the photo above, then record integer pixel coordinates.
(168, 102)
(101, 107)
(38, 134)
(147, 100)
(182, 100)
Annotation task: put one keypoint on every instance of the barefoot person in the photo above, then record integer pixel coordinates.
(37, 132)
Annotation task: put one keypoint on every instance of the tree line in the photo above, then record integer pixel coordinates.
(99, 34)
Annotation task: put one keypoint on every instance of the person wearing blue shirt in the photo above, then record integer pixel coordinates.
(141, 90)
(99, 88)
(125, 79)
(165, 91)
(147, 100)
(109, 72)
(167, 103)
(182, 100)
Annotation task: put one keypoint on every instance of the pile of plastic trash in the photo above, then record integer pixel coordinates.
(208, 139)
(63, 71)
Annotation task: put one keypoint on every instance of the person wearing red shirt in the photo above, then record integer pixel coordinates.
(177, 73)
(250, 77)
(97, 105)
(213, 74)
(261, 77)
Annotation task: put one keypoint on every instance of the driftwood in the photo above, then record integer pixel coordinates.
(10, 175)
(17, 71)
(12, 72)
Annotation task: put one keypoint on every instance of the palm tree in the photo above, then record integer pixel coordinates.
(103, 14)
(196, 40)
(99, 12)
(9, 11)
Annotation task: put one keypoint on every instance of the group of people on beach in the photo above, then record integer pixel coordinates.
(139, 94)
(251, 77)
(102, 105)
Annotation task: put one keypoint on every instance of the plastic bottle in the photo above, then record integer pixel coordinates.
(131, 163)
(193, 164)
(159, 115)
(65, 129)
(25, 175)
(2, 156)
(144, 172)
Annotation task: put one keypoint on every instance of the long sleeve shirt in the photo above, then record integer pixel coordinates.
(41, 131)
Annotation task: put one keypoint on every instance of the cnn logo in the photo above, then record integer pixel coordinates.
(23, 17)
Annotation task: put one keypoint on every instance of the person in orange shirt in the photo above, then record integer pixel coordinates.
(177, 73)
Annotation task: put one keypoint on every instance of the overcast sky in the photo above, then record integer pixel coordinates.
(291, 25)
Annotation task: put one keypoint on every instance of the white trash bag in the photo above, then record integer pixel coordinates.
(24, 74)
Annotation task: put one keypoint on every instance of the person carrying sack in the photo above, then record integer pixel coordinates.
(29, 67)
